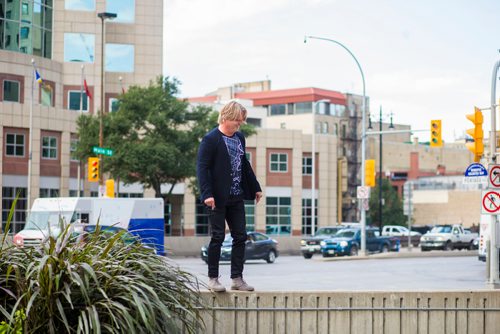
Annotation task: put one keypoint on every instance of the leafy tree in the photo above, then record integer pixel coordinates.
(392, 210)
(154, 136)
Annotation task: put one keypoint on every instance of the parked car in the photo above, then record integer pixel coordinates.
(395, 242)
(447, 237)
(310, 246)
(259, 246)
(398, 231)
(348, 242)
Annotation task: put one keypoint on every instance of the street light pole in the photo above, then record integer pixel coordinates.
(363, 137)
(103, 16)
(380, 174)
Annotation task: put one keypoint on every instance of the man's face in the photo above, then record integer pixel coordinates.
(234, 125)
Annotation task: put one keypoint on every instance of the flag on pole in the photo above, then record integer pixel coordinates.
(38, 77)
(87, 91)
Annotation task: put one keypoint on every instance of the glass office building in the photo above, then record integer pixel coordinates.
(26, 26)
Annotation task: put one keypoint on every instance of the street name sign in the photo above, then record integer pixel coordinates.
(476, 173)
(102, 150)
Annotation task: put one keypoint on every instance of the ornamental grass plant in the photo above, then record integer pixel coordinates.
(100, 286)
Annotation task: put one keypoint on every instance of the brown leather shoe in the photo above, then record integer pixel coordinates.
(215, 286)
(241, 285)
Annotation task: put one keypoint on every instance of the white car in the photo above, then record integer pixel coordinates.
(398, 231)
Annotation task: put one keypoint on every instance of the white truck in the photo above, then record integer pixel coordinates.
(398, 231)
(447, 237)
(142, 217)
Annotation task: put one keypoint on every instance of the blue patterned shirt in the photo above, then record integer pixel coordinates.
(235, 151)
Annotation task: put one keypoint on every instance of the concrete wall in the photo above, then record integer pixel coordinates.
(447, 207)
(353, 312)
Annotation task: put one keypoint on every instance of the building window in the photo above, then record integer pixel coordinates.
(47, 192)
(79, 47)
(323, 108)
(168, 218)
(26, 27)
(46, 95)
(49, 147)
(324, 127)
(124, 9)
(278, 215)
(249, 157)
(337, 110)
(306, 165)
(303, 107)
(72, 149)
(131, 195)
(74, 193)
(114, 104)
(9, 195)
(94, 194)
(307, 218)
(250, 215)
(14, 145)
(119, 58)
(279, 162)
(11, 91)
(74, 100)
(87, 5)
(277, 109)
(201, 219)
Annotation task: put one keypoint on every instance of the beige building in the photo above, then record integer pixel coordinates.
(338, 118)
(64, 39)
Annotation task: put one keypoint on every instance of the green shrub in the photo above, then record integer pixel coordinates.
(102, 285)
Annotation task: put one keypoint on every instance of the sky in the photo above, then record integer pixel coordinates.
(422, 59)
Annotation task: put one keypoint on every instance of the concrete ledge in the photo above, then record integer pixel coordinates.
(352, 312)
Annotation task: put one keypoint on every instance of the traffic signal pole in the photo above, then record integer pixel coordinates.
(493, 280)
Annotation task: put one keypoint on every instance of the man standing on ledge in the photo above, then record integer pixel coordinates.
(226, 179)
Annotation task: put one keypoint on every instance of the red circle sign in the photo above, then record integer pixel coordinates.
(491, 201)
(495, 176)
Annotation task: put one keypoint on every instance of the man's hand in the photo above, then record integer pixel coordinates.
(258, 196)
(210, 202)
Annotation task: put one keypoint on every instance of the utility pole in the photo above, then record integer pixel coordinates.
(380, 175)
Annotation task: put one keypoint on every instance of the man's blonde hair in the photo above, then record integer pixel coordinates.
(231, 112)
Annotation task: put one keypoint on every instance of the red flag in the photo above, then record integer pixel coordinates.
(87, 91)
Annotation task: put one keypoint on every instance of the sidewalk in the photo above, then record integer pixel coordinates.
(403, 253)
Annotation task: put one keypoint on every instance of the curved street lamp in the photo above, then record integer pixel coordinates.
(363, 136)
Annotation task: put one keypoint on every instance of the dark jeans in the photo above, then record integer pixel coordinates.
(234, 214)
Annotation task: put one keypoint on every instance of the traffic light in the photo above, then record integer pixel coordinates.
(370, 173)
(476, 147)
(110, 188)
(93, 169)
(436, 140)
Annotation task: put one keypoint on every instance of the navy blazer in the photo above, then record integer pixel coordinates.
(213, 169)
